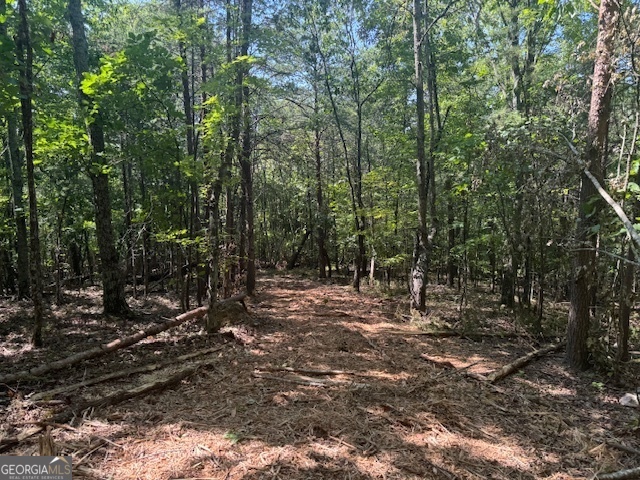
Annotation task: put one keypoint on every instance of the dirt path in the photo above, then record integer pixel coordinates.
(391, 414)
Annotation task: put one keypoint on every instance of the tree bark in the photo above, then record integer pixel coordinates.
(323, 256)
(246, 166)
(585, 257)
(14, 164)
(420, 264)
(17, 185)
(25, 60)
(112, 279)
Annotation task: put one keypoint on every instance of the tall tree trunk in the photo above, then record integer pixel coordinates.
(246, 166)
(418, 285)
(22, 241)
(224, 173)
(17, 187)
(112, 280)
(25, 60)
(323, 256)
(127, 186)
(585, 258)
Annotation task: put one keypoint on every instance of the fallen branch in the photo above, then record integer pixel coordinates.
(123, 395)
(310, 382)
(521, 362)
(116, 344)
(113, 399)
(104, 348)
(432, 333)
(123, 373)
(452, 333)
(620, 475)
(8, 442)
(624, 448)
(307, 371)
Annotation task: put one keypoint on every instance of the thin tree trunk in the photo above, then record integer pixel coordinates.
(213, 320)
(112, 278)
(323, 256)
(22, 241)
(25, 59)
(421, 249)
(585, 258)
(228, 277)
(14, 166)
(246, 166)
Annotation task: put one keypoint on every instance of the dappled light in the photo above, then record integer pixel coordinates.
(314, 394)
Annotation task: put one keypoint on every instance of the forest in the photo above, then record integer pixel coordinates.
(369, 216)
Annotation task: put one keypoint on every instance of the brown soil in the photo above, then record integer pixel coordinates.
(395, 406)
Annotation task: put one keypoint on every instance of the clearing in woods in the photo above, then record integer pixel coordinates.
(318, 383)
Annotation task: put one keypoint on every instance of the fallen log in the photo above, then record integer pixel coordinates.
(113, 399)
(114, 345)
(122, 374)
(104, 348)
(521, 362)
(620, 475)
(123, 395)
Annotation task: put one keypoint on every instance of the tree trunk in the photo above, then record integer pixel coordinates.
(452, 267)
(230, 267)
(22, 245)
(626, 298)
(213, 320)
(323, 256)
(293, 260)
(112, 279)
(246, 166)
(25, 59)
(585, 257)
(421, 247)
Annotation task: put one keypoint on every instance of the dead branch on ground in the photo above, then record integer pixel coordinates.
(307, 371)
(114, 345)
(623, 448)
(311, 382)
(123, 395)
(123, 373)
(620, 475)
(104, 348)
(521, 362)
(113, 399)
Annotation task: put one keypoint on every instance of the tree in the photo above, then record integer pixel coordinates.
(577, 354)
(15, 158)
(112, 279)
(25, 61)
(424, 54)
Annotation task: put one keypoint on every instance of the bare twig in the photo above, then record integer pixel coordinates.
(620, 475)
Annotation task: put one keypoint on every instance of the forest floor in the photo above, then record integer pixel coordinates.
(391, 404)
